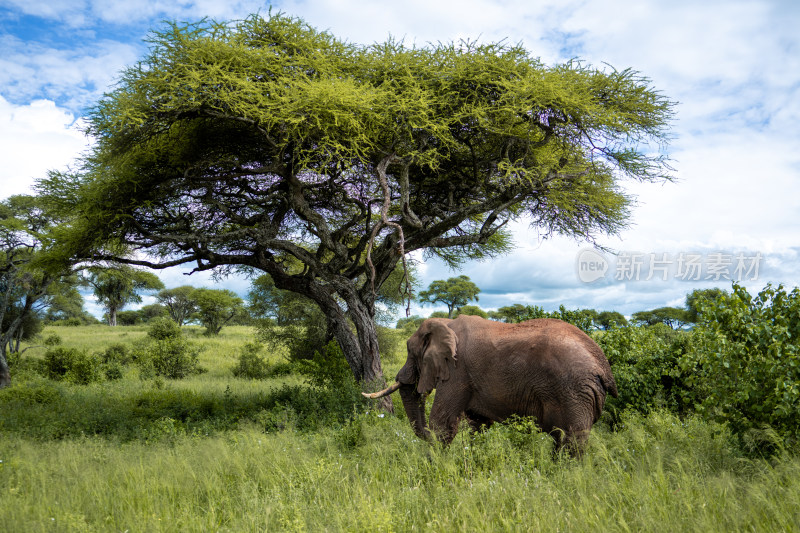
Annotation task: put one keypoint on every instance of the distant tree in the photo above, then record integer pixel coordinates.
(250, 143)
(673, 317)
(511, 314)
(179, 303)
(216, 307)
(65, 301)
(149, 312)
(607, 319)
(28, 279)
(127, 318)
(410, 323)
(453, 292)
(472, 310)
(699, 298)
(439, 314)
(116, 286)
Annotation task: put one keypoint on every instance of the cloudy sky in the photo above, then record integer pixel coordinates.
(733, 66)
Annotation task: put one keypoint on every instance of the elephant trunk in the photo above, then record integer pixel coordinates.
(414, 404)
(385, 392)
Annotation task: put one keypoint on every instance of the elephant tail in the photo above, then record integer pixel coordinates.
(610, 386)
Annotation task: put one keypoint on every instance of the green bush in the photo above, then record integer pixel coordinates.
(171, 357)
(328, 371)
(52, 340)
(70, 364)
(116, 353)
(251, 365)
(163, 328)
(644, 360)
(744, 363)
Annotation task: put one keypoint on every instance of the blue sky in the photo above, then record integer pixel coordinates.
(734, 67)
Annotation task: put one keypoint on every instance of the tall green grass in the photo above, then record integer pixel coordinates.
(656, 474)
(218, 453)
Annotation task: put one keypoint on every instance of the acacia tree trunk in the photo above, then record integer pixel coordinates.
(5, 374)
(360, 347)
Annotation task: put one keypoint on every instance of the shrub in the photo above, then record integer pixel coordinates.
(745, 362)
(251, 365)
(644, 360)
(163, 328)
(52, 340)
(116, 353)
(71, 365)
(392, 343)
(172, 357)
(71, 322)
(328, 371)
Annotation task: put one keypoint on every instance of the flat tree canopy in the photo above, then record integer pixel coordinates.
(264, 143)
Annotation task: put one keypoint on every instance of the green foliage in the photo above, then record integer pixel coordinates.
(392, 344)
(115, 287)
(410, 324)
(171, 357)
(128, 318)
(608, 319)
(673, 317)
(216, 307)
(163, 328)
(453, 292)
(700, 298)
(744, 364)
(72, 365)
(472, 310)
(179, 302)
(251, 365)
(52, 340)
(287, 319)
(166, 352)
(644, 361)
(117, 353)
(582, 318)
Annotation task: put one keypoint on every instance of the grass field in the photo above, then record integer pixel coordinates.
(217, 453)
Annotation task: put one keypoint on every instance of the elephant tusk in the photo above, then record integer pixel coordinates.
(385, 392)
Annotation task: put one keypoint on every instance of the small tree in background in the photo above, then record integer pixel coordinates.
(216, 307)
(700, 298)
(673, 317)
(115, 287)
(179, 302)
(607, 319)
(454, 293)
(471, 310)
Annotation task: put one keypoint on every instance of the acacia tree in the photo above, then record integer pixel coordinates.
(115, 287)
(179, 302)
(453, 292)
(263, 144)
(28, 285)
(216, 307)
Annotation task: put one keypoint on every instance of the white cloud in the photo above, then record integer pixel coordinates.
(35, 138)
(73, 76)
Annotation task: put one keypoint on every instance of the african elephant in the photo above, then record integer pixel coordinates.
(488, 371)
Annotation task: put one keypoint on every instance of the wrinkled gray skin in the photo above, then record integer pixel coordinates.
(488, 371)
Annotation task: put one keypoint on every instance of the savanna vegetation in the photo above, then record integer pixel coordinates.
(162, 428)
(314, 165)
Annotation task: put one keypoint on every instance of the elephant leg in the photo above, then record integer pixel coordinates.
(448, 408)
(478, 422)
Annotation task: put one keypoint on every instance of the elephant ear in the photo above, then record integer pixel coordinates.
(439, 353)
